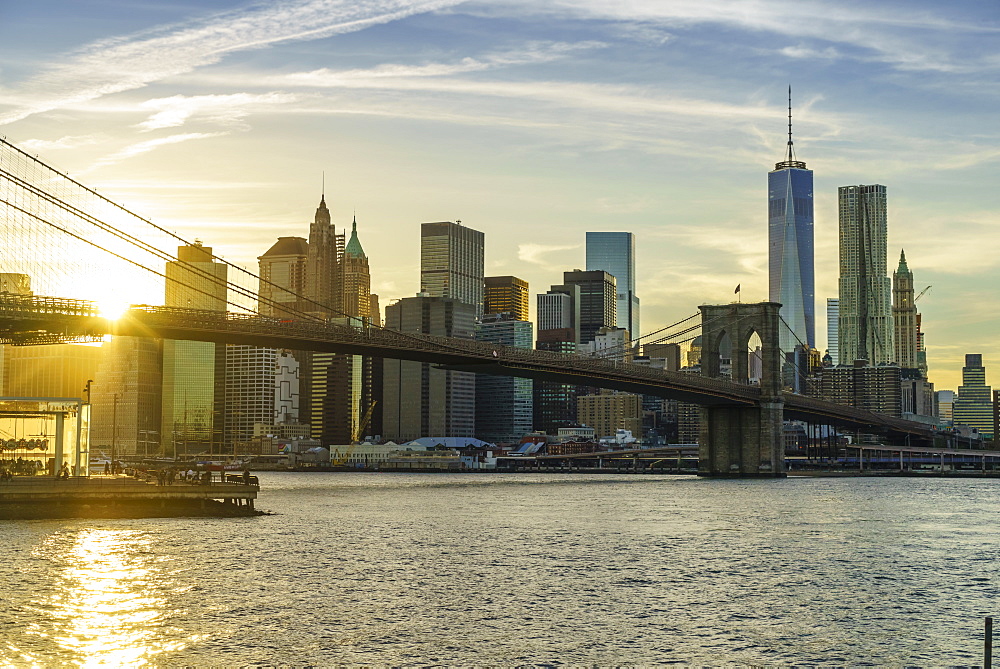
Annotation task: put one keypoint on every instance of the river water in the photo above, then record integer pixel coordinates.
(504, 569)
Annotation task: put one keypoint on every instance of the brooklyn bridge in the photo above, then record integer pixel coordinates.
(742, 419)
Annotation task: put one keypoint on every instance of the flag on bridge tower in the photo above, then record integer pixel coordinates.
(737, 289)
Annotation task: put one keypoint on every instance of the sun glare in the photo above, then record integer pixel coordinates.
(113, 308)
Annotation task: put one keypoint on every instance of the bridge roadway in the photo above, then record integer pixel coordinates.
(30, 320)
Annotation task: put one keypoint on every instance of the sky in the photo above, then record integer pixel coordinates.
(534, 122)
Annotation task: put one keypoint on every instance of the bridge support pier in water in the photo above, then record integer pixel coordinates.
(742, 441)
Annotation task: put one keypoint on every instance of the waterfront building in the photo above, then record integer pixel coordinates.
(282, 271)
(451, 262)
(261, 387)
(554, 403)
(54, 370)
(865, 328)
(598, 301)
(127, 400)
(874, 388)
(420, 399)
(504, 404)
(193, 399)
(974, 405)
(833, 329)
(507, 296)
(611, 411)
(614, 252)
(904, 315)
(791, 274)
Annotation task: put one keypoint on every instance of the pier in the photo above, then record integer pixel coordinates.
(124, 497)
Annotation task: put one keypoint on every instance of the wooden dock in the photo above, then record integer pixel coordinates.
(123, 497)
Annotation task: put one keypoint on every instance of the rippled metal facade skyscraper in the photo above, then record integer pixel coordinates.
(790, 246)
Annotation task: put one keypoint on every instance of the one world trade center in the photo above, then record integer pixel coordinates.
(790, 246)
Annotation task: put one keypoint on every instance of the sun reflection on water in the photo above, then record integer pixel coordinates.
(108, 604)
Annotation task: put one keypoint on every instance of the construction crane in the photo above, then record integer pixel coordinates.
(339, 460)
(921, 293)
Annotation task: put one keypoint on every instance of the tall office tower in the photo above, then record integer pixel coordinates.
(323, 263)
(974, 404)
(249, 393)
(614, 252)
(559, 309)
(419, 399)
(341, 383)
(192, 415)
(598, 301)
(558, 314)
(283, 278)
(833, 329)
(904, 315)
(503, 403)
(357, 278)
(866, 328)
(506, 295)
(451, 262)
(126, 399)
(791, 275)
(554, 403)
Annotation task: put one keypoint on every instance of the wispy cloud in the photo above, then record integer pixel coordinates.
(531, 53)
(221, 109)
(895, 35)
(145, 147)
(127, 63)
(535, 253)
(67, 142)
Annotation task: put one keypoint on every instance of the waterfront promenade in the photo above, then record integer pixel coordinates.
(123, 497)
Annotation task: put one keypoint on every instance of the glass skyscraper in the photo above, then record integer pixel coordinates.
(614, 252)
(790, 247)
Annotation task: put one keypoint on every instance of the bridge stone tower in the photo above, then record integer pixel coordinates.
(742, 441)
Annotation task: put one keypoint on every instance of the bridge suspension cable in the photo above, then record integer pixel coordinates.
(56, 201)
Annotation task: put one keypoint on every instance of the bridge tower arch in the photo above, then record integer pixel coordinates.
(742, 441)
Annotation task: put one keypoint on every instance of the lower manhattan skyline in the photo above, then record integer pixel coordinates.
(660, 120)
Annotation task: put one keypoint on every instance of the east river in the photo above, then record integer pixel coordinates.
(498, 569)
